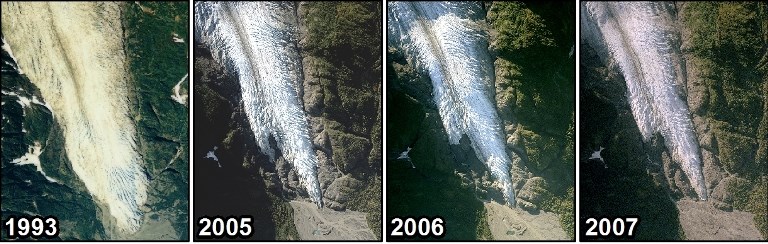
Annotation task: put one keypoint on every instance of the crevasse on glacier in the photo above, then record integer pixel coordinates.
(73, 52)
(257, 42)
(442, 40)
(641, 37)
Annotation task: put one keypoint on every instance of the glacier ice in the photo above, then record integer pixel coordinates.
(73, 52)
(444, 41)
(257, 42)
(641, 37)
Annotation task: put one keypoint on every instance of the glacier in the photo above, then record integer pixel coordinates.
(643, 40)
(257, 42)
(444, 41)
(73, 52)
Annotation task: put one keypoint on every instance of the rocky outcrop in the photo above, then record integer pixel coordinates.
(534, 95)
(342, 83)
(726, 84)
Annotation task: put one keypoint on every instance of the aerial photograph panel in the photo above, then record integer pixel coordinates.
(480, 120)
(674, 120)
(94, 125)
(288, 118)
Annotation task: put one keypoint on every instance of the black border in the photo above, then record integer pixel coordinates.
(575, 131)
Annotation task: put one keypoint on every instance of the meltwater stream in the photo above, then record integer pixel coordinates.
(641, 37)
(257, 42)
(443, 40)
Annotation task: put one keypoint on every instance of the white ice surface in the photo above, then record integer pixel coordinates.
(257, 42)
(443, 41)
(643, 39)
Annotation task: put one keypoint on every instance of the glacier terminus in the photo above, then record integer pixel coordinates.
(643, 40)
(257, 42)
(444, 41)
